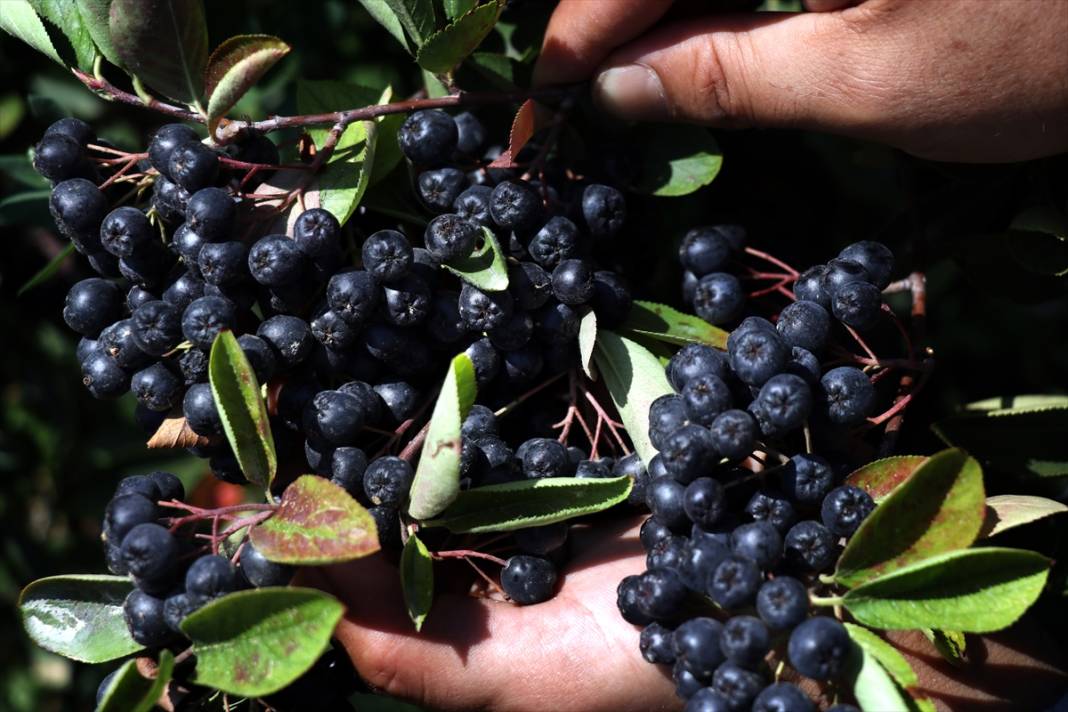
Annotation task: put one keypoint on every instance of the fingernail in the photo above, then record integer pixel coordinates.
(633, 91)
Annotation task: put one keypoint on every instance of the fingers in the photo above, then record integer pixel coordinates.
(828, 5)
(581, 33)
(767, 69)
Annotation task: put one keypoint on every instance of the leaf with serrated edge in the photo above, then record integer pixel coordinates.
(445, 49)
(974, 591)
(20, 20)
(529, 503)
(242, 410)
(130, 692)
(344, 179)
(484, 268)
(661, 322)
(456, 8)
(437, 477)
(256, 642)
(78, 617)
(1005, 511)
(881, 477)
(95, 14)
(234, 67)
(635, 378)
(940, 508)
(164, 43)
(65, 15)
(872, 685)
(525, 124)
(417, 579)
(1018, 403)
(317, 522)
(381, 11)
(587, 338)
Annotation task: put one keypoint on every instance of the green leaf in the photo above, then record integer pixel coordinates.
(384, 15)
(974, 591)
(887, 655)
(416, 17)
(1005, 511)
(445, 49)
(317, 522)
(497, 69)
(873, 686)
(19, 168)
(78, 617)
(234, 67)
(587, 338)
(48, 271)
(661, 322)
(437, 477)
(20, 20)
(96, 15)
(387, 151)
(65, 15)
(528, 503)
(881, 477)
(950, 644)
(635, 378)
(456, 8)
(256, 642)
(130, 692)
(1018, 402)
(242, 410)
(1026, 438)
(485, 268)
(940, 508)
(677, 159)
(417, 579)
(164, 43)
(344, 179)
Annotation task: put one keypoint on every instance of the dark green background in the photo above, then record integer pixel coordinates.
(996, 329)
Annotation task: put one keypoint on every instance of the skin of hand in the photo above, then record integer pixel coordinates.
(953, 80)
(574, 653)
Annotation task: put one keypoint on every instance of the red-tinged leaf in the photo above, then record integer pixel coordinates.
(939, 509)
(234, 67)
(316, 523)
(524, 125)
(882, 477)
(174, 432)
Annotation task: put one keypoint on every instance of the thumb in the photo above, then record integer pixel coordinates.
(760, 69)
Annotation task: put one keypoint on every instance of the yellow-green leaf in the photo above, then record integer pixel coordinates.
(445, 49)
(417, 579)
(20, 20)
(234, 67)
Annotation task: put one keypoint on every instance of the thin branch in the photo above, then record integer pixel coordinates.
(465, 553)
(773, 260)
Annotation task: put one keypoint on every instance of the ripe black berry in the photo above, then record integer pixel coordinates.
(125, 230)
(544, 457)
(604, 209)
(734, 582)
(659, 594)
(782, 603)
(688, 452)
(58, 157)
(804, 324)
(200, 411)
(91, 305)
(514, 206)
(259, 355)
(695, 360)
(259, 571)
(470, 134)
(810, 546)
(876, 259)
(844, 508)
(144, 619)
(718, 298)
(482, 311)
(556, 323)
(150, 551)
(704, 250)
(745, 641)
(223, 262)
(387, 255)
(783, 404)
(166, 139)
(809, 286)
(79, 207)
(528, 579)
(783, 697)
(773, 507)
(474, 205)
(352, 295)
(848, 394)
(290, 337)
(819, 648)
(738, 686)
(126, 511)
(193, 165)
(450, 237)
(556, 241)
(156, 387)
(75, 128)
(275, 260)
(704, 501)
(666, 499)
(210, 576)
(439, 188)
(205, 317)
(386, 481)
(656, 644)
(839, 273)
(857, 304)
(696, 644)
(317, 232)
(758, 541)
(210, 213)
(183, 291)
(733, 434)
(807, 479)
(428, 138)
(103, 377)
(572, 282)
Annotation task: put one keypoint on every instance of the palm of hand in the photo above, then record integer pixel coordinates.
(573, 652)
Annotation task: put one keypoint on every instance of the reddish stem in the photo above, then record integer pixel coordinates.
(466, 553)
(773, 260)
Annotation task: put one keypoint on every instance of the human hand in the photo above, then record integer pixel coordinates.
(575, 652)
(952, 80)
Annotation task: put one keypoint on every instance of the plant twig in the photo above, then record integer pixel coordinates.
(468, 553)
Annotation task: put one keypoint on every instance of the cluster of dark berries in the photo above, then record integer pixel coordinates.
(349, 343)
(732, 554)
(172, 574)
